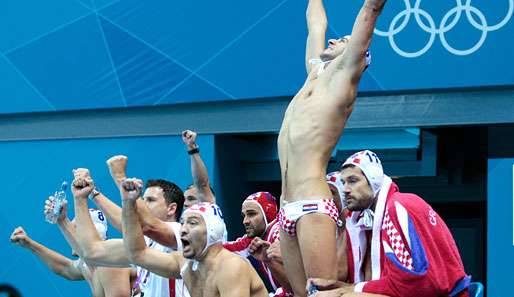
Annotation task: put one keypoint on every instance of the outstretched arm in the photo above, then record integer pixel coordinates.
(351, 64)
(198, 169)
(56, 262)
(94, 250)
(117, 168)
(167, 265)
(317, 27)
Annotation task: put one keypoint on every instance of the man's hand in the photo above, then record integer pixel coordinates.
(189, 138)
(329, 288)
(131, 188)
(49, 208)
(82, 186)
(274, 253)
(81, 173)
(258, 249)
(20, 238)
(375, 4)
(118, 168)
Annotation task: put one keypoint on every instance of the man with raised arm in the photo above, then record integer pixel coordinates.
(163, 201)
(312, 125)
(200, 190)
(205, 266)
(103, 281)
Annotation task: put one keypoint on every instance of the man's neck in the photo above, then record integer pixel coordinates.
(210, 255)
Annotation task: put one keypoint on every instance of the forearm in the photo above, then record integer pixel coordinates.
(86, 234)
(201, 179)
(133, 238)
(68, 231)
(155, 228)
(110, 209)
(53, 260)
(316, 16)
(279, 273)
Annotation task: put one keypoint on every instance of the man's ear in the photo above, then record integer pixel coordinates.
(172, 209)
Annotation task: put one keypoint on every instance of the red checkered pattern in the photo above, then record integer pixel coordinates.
(274, 233)
(396, 241)
(289, 224)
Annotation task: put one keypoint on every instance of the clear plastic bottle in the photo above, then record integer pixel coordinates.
(59, 197)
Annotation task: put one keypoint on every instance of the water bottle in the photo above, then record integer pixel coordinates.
(59, 197)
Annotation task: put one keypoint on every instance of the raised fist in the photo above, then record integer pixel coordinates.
(189, 138)
(258, 249)
(82, 187)
(131, 188)
(118, 168)
(20, 238)
(81, 173)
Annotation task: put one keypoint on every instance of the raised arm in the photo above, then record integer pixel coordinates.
(164, 264)
(65, 225)
(117, 168)
(352, 62)
(58, 263)
(317, 28)
(198, 169)
(155, 228)
(94, 250)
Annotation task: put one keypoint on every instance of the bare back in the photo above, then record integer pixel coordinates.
(312, 125)
(226, 275)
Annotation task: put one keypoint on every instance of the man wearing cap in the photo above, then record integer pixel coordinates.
(205, 266)
(200, 190)
(312, 126)
(259, 211)
(159, 209)
(409, 251)
(103, 281)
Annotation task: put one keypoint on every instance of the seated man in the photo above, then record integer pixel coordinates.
(259, 212)
(205, 266)
(411, 251)
(103, 281)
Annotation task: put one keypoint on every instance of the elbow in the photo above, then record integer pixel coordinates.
(135, 256)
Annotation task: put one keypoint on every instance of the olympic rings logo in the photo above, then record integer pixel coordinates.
(472, 14)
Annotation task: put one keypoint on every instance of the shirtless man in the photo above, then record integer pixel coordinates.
(208, 270)
(103, 281)
(312, 125)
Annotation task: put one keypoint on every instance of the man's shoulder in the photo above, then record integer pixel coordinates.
(232, 261)
(410, 202)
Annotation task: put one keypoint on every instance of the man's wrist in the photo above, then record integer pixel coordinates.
(94, 194)
(194, 150)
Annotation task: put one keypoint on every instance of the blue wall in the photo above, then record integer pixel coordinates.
(33, 170)
(500, 227)
(83, 54)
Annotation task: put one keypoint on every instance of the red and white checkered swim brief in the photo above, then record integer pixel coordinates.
(291, 212)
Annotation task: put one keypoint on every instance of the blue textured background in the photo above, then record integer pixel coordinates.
(83, 54)
(33, 170)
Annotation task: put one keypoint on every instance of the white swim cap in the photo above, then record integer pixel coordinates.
(370, 165)
(99, 221)
(213, 217)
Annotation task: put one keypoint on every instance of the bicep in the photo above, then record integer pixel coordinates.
(314, 47)
(72, 272)
(164, 264)
(162, 233)
(109, 253)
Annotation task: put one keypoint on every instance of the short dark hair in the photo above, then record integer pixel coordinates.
(172, 193)
(193, 186)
